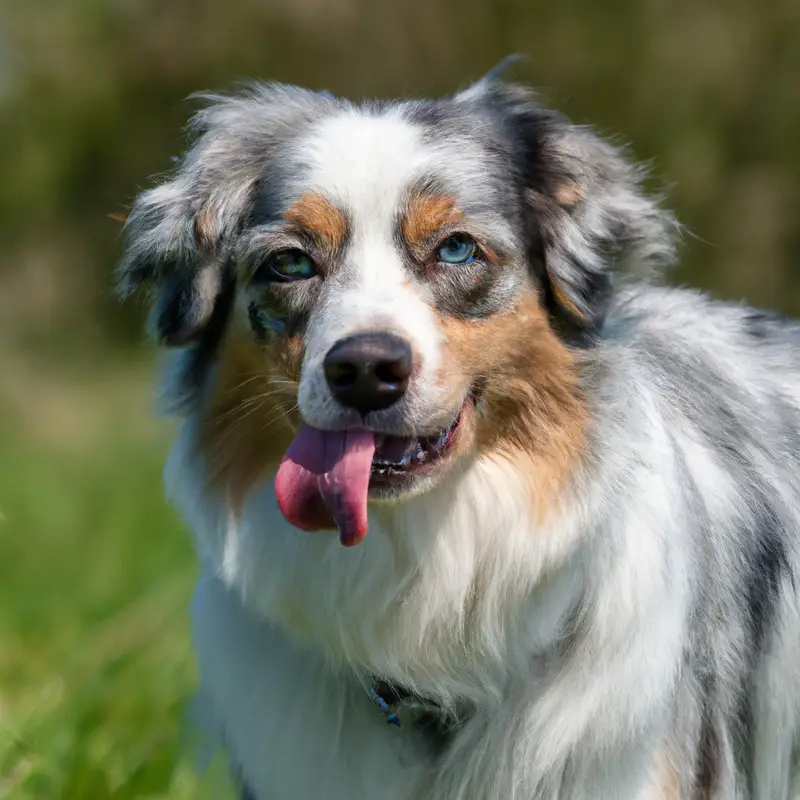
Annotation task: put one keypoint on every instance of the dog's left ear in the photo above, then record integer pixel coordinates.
(586, 216)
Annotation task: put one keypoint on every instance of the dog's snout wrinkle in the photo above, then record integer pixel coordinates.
(369, 371)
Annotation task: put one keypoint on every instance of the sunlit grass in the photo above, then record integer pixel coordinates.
(95, 578)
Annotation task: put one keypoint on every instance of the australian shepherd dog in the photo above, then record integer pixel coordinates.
(485, 511)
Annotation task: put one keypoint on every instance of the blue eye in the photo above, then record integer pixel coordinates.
(287, 265)
(456, 249)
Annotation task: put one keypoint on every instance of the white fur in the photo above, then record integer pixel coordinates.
(457, 595)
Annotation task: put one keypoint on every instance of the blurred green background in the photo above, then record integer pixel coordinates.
(95, 571)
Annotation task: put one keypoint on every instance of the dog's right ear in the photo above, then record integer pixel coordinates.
(181, 234)
(178, 238)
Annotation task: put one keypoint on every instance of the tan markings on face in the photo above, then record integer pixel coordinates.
(319, 216)
(532, 409)
(425, 215)
(252, 413)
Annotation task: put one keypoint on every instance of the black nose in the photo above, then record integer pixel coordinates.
(369, 371)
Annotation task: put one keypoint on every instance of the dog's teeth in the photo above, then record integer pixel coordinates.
(421, 452)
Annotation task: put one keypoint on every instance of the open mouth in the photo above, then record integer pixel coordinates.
(327, 476)
(399, 456)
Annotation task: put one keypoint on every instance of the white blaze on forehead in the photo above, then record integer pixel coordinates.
(365, 161)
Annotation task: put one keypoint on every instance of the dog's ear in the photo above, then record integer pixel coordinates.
(178, 239)
(182, 233)
(586, 215)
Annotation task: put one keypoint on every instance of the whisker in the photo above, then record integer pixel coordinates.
(249, 402)
(238, 408)
(267, 424)
(245, 382)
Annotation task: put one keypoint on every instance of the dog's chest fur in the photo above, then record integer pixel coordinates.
(420, 612)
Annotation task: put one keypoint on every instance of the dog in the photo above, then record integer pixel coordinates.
(484, 509)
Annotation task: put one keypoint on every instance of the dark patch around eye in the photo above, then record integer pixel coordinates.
(263, 323)
(473, 291)
(281, 310)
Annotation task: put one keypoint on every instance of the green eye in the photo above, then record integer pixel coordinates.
(287, 265)
(456, 249)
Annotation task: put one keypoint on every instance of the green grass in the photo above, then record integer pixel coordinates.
(95, 578)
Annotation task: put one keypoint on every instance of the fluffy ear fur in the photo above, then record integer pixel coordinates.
(586, 215)
(181, 234)
(178, 243)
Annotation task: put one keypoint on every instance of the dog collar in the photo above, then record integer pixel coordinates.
(427, 717)
(381, 703)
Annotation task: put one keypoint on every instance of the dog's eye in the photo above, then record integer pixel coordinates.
(286, 265)
(456, 249)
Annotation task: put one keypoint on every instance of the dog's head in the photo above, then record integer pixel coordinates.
(369, 293)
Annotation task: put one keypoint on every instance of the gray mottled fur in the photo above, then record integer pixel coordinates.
(679, 639)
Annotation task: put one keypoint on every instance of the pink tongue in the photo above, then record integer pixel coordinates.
(323, 481)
